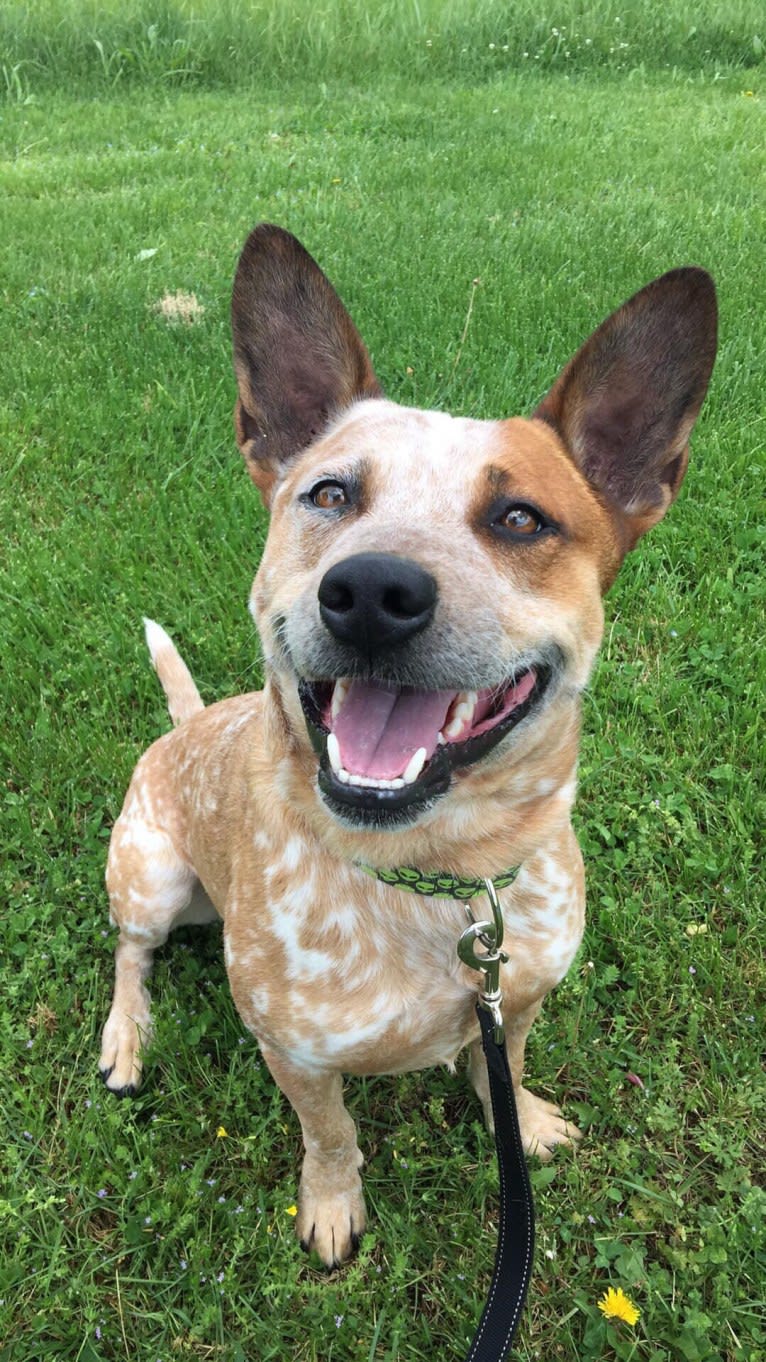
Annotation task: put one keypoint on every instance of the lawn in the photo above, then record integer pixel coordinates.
(480, 211)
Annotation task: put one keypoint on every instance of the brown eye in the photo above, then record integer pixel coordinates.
(328, 496)
(521, 520)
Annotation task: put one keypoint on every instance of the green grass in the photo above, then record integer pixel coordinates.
(96, 46)
(122, 494)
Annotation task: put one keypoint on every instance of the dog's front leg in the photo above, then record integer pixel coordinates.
(541, 1123)
(331, 1211)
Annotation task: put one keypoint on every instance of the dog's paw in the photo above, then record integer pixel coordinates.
(331, 1223)
(543, 1126)
(121, 1047)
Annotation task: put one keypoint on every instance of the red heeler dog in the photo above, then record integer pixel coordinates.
(430, 606)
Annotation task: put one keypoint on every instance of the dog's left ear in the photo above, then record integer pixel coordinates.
(625, 405)
(298, 357)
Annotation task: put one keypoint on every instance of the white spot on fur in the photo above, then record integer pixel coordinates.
(353, 1032)
(260, 1001)
(288, 916)
(344, 918)
(283, 780)
(305, 1054)
(234, 725)
(292, 853)
(130, 927)
(149, 841)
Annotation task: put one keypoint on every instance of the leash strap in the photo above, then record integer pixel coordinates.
(516, 1228)
(480, 948)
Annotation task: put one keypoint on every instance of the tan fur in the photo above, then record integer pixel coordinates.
(175, 677)
(333, 971)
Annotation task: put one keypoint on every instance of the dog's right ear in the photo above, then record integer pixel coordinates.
(298, 357)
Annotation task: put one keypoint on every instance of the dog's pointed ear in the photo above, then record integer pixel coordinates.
(625, 405)
(298, 357)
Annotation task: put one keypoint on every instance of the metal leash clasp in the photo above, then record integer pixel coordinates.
(488, 961)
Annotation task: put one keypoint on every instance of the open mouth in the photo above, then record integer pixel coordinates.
(387, 752)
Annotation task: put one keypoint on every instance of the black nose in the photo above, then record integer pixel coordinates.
(376, 601)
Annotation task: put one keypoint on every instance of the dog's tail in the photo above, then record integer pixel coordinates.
(175, 677)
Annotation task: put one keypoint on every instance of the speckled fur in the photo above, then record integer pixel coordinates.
(333, 972)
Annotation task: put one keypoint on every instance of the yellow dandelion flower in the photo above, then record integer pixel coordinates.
(291, 1210)
(616, 1305)
(221, 1133)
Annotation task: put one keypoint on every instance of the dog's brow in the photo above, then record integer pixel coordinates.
(354, 472)
(497, 479)
(503, 482)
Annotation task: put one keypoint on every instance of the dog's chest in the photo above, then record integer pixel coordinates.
(328, 965)
(340, 971)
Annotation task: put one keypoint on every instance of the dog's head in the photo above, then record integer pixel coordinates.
(430, 592)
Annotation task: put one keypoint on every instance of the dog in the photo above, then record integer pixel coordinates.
(430, 606)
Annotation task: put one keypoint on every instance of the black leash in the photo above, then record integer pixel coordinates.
(516, 1228)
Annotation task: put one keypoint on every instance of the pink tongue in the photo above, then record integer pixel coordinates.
(379, 730)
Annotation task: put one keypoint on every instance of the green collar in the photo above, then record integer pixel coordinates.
(438, 885)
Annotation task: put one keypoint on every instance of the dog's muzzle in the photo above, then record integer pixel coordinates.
(388, 749)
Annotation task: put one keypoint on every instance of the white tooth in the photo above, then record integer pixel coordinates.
(467, 705)
(462, 714)
(458, 722)
(366, 782)
(339, 694)
(440, 740)
(414, 766)
(333, 752)
(370, 782)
